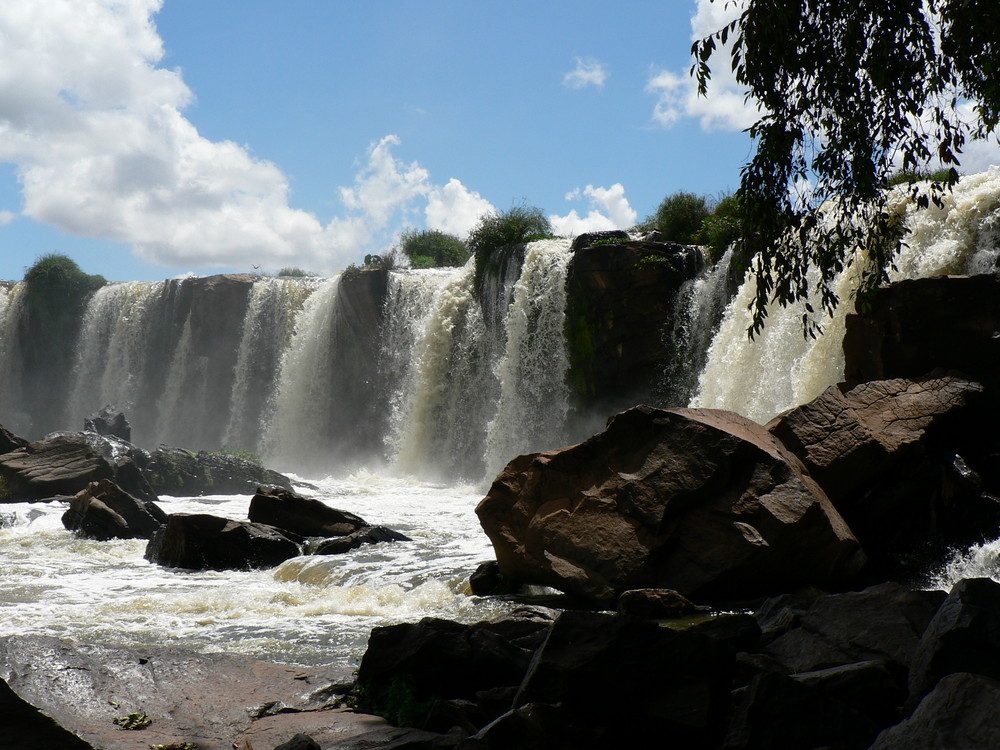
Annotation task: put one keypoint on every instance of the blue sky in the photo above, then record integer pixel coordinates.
(148, 139)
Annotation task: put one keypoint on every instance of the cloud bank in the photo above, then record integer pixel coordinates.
(103, 149)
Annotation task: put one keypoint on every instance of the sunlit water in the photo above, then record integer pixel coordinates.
(309, 610)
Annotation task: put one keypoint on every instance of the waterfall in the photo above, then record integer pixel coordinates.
(267, 329)
(700, 305)
(112, 351)
(534, 397)
(298, 433)
(10, 362)
(781, 368)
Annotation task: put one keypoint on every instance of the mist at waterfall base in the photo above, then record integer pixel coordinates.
(406, 433)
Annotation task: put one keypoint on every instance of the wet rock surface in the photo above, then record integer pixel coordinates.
(103, 511)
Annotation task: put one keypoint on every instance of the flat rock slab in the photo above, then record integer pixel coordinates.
(216, 701)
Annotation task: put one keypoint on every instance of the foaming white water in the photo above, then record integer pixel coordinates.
(978, 561)
(534, 396)
(309, 610)
(112, 351)
(781, 368)
(474, 389)
(267, 328)
(10, 303)
(297, 434)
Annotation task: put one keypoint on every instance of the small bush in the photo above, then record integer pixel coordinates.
(430, 248)
(909, 176)
(496, 233)
(722, 227)
(296, 273)
(679, 218)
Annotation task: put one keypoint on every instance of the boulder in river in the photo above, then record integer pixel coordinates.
(205, 542)
(176, 471)
(305, 516)
(65, 463)
(109, 420)
(701, 501)
(103, 511)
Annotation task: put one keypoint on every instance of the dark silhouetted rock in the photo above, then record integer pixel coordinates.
(105, 511)
(964, 636)
(657, 604)
(487, 580)
(915, 326)
(885, 453)
(631, 683)
(959, 714)
(299, 742)
(881, 623)
(109, 421)
(437, 659)
(778, 713)
(205, 542)
(9, 441)
(366, 535)
(175, 471)
(620, 298)
(701, 501)
(300, 515)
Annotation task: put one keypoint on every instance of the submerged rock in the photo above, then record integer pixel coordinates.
(704, 502)
(366, 535)
(105, 511)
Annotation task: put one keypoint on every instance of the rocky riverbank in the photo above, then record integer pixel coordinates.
(804, 538)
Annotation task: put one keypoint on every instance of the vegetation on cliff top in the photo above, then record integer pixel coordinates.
(430, 248)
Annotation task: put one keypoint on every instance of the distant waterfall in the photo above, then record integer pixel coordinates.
(113, 350)
(781, 368)
(477, 389)
(10, 377)
(534, 397)
(267, 329)
(298, 433)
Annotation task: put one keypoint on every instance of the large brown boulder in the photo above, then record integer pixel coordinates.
(65, 463)
(701, 501)
(889, 454)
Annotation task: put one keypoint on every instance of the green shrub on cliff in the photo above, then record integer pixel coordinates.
(430, 248)
(497, 232)
(679, 218)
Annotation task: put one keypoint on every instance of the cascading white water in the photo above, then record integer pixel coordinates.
(113, 349)
(297, 434)
(267, 329)
(10, 303)
(534, 397)
(781, 368)
(477, 390)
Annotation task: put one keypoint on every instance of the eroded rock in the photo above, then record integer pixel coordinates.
(200, 541)
(103, 511)
(701, 501)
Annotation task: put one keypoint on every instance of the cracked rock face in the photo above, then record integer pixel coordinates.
(701, 501)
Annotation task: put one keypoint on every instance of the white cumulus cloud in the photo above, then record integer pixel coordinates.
(677, 92)
(609, 209)
(103, 148)
(588, 72)
(455, 209)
